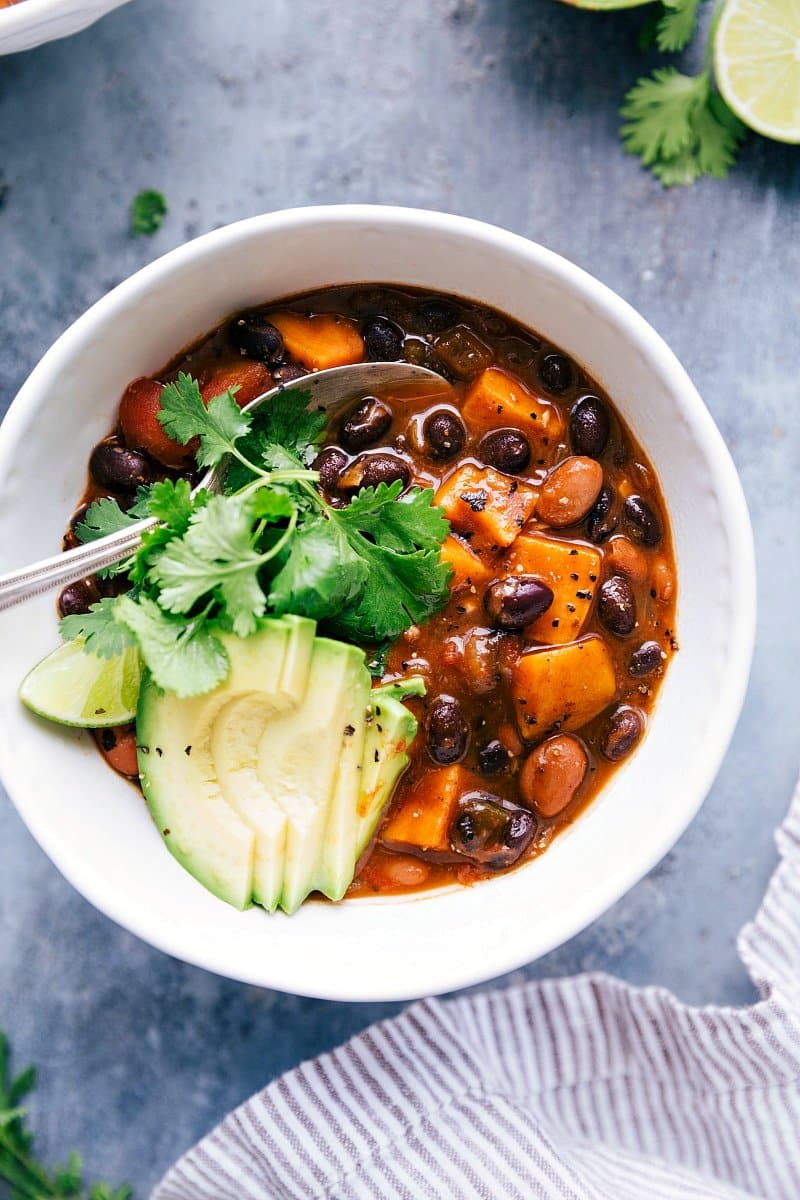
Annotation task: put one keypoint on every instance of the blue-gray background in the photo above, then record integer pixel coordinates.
(500, 109)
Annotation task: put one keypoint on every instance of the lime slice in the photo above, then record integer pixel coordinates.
(757, 64)
(76, 688)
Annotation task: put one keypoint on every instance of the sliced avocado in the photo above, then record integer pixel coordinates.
(391, 728)
(200, 826)
(298, 760)
(337, 860)
(283, 679)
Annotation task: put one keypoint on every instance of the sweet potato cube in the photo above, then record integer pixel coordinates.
(562, 687)
(251, 379)
(572, 571)
(496, 399)
(482, 501)
(424, 817)
(320, 341)
(468, 569)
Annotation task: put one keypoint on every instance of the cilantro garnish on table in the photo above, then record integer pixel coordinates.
(267, 544)
(147, 212)
(29, 1179)
(679, 125)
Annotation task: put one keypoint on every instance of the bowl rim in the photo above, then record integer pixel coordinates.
(494, 960)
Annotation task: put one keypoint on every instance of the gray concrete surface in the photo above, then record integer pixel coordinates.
(500, 109)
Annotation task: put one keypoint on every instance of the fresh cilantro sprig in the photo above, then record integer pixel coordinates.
(677, 124)
(29, 1179)
(267, 543)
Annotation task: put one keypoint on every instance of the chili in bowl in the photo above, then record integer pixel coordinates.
(529, 568)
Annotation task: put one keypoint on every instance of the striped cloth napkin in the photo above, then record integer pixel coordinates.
(576, 1089)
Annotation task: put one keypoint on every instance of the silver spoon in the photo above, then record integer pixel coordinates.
(328, 390)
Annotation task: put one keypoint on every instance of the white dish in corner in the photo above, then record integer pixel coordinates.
(33, 22)
(94, 825)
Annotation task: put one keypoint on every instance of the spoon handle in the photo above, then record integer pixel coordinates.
(19, 585)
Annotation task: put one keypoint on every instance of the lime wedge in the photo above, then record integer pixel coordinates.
(757, 64)
(76, 688)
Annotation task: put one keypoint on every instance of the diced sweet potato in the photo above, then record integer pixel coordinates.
(424, 817)
(497, 399)
(468, 569)
(251, 378)
(482, 501)
(320, 341)
(571, 570)
(562, 687)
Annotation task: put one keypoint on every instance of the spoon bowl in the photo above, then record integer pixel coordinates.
(329, 390)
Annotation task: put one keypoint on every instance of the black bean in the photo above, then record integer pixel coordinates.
(372, 469)
(506, 449)
(625, 727)
(589, 427)
(491, 831)
(448, 731)
(617, 606)
(642, 522)
(493, 758)
(366, 425)
(517, 600)
(257, 337)
(601, 521)
(556, 372)
(330, 463)
(120, 470)
(77, 598)
(287, 372)
(645, 659)
(383, 340)
(445, 433)
(436, 315)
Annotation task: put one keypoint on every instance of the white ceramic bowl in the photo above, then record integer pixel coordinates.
(34, 22)
(96, 828)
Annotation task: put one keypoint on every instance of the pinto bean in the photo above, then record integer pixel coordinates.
(663, 581)
(569, 491)
(552, 774)
(624, 558)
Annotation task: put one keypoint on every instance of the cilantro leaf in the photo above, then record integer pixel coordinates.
(105, 516)
(400, 523)
(172, 504)
(216, 554)
(322, 573)
(402, 590)
(183, 657)
(286, 421)
(102, 633)
(184, 417)
(170, 501)
(676, 25)
(680, 127)
(147, 212)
